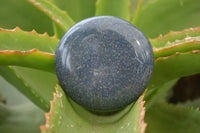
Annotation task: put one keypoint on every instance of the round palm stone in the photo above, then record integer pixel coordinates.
(104, 63)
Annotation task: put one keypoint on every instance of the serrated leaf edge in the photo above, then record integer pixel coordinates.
(143, 125)
(48, 115)
(46, 127)
(18, 29)
(176, 54)
(188, 44)
(177, 43)
(172, 33)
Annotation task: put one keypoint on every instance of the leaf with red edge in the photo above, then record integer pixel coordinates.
(18, 43)
(185, 45)
(20, 13)
(176, 54)
(172, 36)
(17, 39)
(32, 59)
(175, 66)
(67, 116)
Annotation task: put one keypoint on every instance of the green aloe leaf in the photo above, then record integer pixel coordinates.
(136, 7)
(168, 39)
(135, 10)
(22, 41)
(20, 119)
(185, 45)
(77, 9)
(32, 59)
(59, 31)
(118, 8)
(17, 81)
(163, 117)
(42, 82)
(158, 94)
(161, 16)
(67, 116)
(175, 66)
(166, 118)
(58, 16)
(22, 14)
(19, 40)
(22, 52)
(17, 112)
(9, 95)
(174, 54)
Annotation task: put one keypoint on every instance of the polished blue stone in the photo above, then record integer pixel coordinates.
(104, 63)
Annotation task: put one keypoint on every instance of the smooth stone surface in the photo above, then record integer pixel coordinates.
(104, 63)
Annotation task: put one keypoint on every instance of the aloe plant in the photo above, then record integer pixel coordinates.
(31, 99)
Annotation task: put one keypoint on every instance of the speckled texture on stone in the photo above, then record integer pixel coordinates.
(104, 63)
